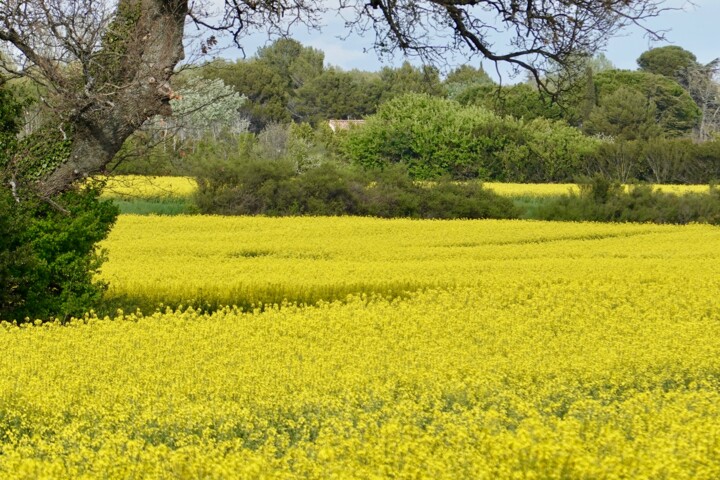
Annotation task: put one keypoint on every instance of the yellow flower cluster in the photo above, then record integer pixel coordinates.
(530, 350)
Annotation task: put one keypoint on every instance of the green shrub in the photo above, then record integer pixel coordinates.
(434, 137)
(48, 257)
(448, 199)
(671, 161)
(247, 187)
(393, 194)
(17, 261)
(656, 160)
(519, 101)
(430, 136)
(545, 151)
(329, 190)
(275, 188)
(602, 200)
(48, 253)
(675, 113)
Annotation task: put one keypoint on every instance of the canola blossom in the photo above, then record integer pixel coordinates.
(454, 349)
(214, 261)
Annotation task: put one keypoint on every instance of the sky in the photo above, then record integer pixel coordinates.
(693, 27)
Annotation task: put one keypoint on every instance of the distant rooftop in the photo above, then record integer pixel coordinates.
(336, 125)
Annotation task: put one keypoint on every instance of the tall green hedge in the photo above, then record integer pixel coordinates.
(435, 137)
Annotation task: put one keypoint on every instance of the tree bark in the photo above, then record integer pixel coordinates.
(136, 87)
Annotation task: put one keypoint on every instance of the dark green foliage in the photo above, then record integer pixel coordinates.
(48, 254)
(10, 110)
(286, 82)
(34, 155)
(40, 153)
(618, 160)
(338, 95)
(448, 199)
(676, 113)
(707, 157)
(519, 101)
(463, 78)
(275, 188)
(266, 90)
(17, 262)
(468, 75)
(672, 160)
(48, 257)
(293, 62)
(410, 79)
(602, 200)
(625, 114)
(669, 61)
(587, 97)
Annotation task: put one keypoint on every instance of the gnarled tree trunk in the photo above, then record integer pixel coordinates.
(135, 66)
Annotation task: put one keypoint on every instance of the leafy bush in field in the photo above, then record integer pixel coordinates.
(434, 137)
(618, 160)
(48, 258)
(276, 188)
(604, 200)
(670, 160)
(431, 136)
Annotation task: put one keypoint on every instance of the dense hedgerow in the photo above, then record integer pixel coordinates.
(603, 200)
(657, 160)
(435, 137)
(276, 188)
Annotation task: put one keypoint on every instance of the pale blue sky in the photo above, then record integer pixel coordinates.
(695, 28)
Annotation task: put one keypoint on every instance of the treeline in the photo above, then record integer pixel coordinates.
(288, 82)
(659, 123)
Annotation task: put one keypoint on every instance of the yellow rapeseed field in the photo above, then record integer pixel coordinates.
(502, 349)
(246, 260)
(146, 186)
(129, 186)
(556, 189)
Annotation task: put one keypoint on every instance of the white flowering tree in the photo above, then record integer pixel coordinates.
(207, 108)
